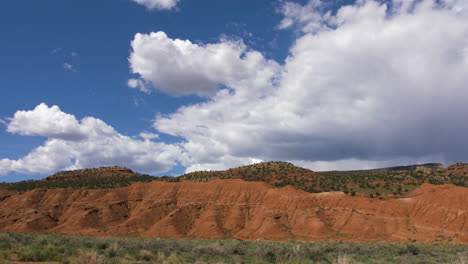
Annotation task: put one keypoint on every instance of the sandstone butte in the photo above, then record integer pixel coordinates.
(239, 209)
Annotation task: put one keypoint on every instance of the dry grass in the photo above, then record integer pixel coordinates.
(344, 258)
(88, 257)
(461, 258)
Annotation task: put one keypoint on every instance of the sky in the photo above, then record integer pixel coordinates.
(172, 86)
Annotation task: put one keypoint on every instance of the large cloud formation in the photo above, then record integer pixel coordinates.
(180, 67)
(83, 144)
(372, 84)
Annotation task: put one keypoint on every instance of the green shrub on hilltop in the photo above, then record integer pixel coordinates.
(381, 183)
(94, 182)
(386, 181)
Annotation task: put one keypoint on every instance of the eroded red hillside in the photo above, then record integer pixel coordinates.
(239, 209)
(459, 169)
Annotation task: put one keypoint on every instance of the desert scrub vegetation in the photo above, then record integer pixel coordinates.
(91, 250)
(92, 182)
(374, 183)
(387, 182)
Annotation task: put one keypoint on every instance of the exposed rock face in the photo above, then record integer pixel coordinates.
(242, 210)
(4, 193)
(459, 169)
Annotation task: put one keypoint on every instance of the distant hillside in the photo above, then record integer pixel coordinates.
(384, 182)
(427, 167)
(459, 170)
(97, 178)
(87, 173)
(275, 173)
(394, 181)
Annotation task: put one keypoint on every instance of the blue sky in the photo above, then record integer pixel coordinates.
(100, 33)
(94, 37)
(310, 82)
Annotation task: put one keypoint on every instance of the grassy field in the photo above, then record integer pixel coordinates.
(15, 247)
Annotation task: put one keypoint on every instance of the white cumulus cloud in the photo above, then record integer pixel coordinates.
(158, 4)
(148, 136)
(69, 67)
(86, 143)
(368, 85)
(180, 67)
(48, 122)
(139, 84)
(310, 17)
